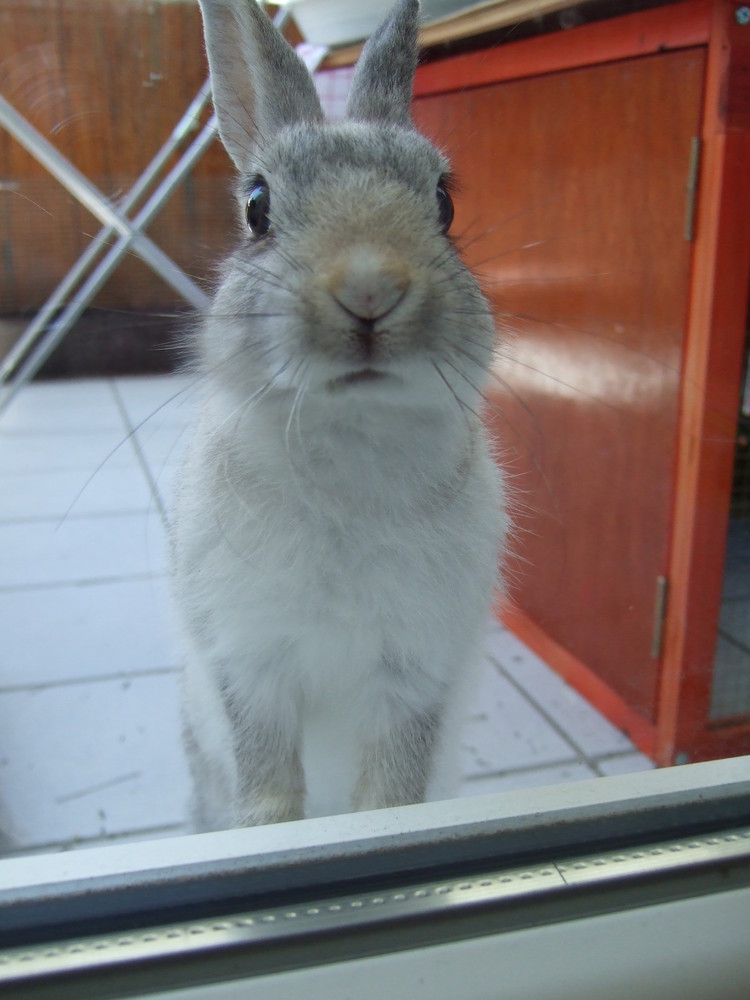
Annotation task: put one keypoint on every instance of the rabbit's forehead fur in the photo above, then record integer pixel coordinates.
(302, 157)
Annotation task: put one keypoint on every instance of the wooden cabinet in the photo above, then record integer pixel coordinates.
(607, 212)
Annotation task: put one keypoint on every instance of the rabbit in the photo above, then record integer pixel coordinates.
(339, 519)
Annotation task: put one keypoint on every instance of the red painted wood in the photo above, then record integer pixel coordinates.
(725, 741)
(658, 30)
(576, 270)
(573, 215)
(711, 385)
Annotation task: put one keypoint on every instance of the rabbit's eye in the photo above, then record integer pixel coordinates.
(445, 207)
(258, 207)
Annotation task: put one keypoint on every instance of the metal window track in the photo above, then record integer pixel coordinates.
(312, 932)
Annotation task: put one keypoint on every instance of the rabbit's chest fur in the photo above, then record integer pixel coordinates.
(323, 553)
(336, 572)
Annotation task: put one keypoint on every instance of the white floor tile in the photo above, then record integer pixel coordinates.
(503, 732)
(64, 406)
(626, 764)
(91, 759)
(89, 451)
(72, 492)
(55, 634)
(526, 779)
(586, 727)
(158, 401)
(81, 549)
(502, 644)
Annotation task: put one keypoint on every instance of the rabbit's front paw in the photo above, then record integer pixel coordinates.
(269, 806)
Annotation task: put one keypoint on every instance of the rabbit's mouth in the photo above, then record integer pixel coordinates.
(356, 377)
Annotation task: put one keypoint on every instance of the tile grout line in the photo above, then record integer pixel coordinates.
(104, 840)
(38, 686)
(733, 641)
(133, 436)
(41, 519)
(581, 755)
(87, 582)
(181, 426)
(59, 519)
(523, 769)
(619, 755)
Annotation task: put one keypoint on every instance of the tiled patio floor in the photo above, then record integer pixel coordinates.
(89, 734)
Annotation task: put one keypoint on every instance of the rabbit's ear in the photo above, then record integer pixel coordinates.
(382, 84)
(259, 83)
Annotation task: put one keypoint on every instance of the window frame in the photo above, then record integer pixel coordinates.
(81, 916)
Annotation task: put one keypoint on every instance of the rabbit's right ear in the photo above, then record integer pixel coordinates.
(258, 81)
(382, 84)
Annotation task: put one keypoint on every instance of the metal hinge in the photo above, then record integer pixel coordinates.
(660, 615)
(692, 187)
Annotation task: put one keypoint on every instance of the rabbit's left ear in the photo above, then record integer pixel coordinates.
(383, 80)
(258, 81)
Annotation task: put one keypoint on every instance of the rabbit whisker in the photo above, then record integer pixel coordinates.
(464, 407)
(264, 276)
(300, 392)
(128, 437)
(238, 415)
(462, 374)
(295, 263)
(469, 357)
(504, 417)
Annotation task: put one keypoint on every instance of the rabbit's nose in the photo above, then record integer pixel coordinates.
(368, 284)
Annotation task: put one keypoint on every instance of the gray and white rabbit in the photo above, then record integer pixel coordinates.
(339, 518)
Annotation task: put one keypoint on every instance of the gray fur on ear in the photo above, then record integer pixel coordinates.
(382, 85)
(259, 83)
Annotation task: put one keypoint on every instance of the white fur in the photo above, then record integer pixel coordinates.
(339, 518)
(323, 566)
